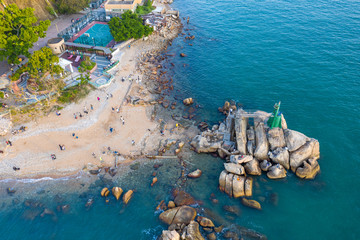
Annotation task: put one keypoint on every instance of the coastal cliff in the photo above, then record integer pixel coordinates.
(39, 6)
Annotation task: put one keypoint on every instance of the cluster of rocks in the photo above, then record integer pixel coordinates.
(252, 149)
(181, 220)
(117, 191)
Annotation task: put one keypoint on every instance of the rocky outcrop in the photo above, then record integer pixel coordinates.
(250, 145)
(253, 167)
(183, 214)
(276, 138)
(239, 159)
(169, 235)
(281, 156)
(294, 140)
(241, 123)
(238, 186)
(206, 142)
(105, 192)
(192, 232)
(234, 168)
(205, 222)
(262, 145)
(309, 150)
(235, 185)
(309, 169)
(277, 171)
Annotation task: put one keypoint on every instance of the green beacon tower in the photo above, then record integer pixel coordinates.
(275, 119)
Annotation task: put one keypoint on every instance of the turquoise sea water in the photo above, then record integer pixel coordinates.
(304, 53)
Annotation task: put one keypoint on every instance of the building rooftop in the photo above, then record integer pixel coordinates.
(120, 2)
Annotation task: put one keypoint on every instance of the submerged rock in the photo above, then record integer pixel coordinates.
(251, 203)
(205, 222)
(184, 198)
(188, 101)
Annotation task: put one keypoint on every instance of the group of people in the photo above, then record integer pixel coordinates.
(78, 114)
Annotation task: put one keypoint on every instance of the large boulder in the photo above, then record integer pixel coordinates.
(309, 150)
(309, 169)
(127, 196)
(277, 171)
(206, 142)
(294, 140)
(281, 156)
(239, 159)
(183, 214)
(253, 167)
(283, 122)
(238, 186)
(195, 174)
(169, 235)
(184, 198)
(192, 232)
(276, 138)
(262, 145)
(222, 180)
(188, 101)
(234, 168)
(228, 184)
(241, 123)
(248, 186)
(117, 191)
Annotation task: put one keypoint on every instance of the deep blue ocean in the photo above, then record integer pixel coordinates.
(305, 54)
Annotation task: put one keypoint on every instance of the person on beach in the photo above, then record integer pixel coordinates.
(60, 147)
(117, 110)
(132, 142)
(53, 157)
(91, 107)
(75, 116)
(98, 99)
(107, 96)
(111, 129)
(8, 142)
(58, 113)
(16, 168)
(85, 110)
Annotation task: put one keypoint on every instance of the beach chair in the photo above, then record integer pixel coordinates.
(77, 58)
(70, 57)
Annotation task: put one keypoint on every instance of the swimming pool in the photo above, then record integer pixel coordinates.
(97, 35)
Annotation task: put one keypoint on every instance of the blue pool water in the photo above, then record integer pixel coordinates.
(304, 53)
(97, 35)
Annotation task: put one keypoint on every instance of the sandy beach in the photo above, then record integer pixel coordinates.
(96, 132)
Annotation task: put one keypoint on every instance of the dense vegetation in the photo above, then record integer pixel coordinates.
(43, 61)
(71, 6)
(19, 30)
(86, 65)
(147, 8)
(130, 25)
(77, 92)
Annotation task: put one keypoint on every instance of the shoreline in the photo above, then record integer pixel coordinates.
(32, 149)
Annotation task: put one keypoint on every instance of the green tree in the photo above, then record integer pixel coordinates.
(19, 31)
(71, 6)
(43, 60)
(130, 25)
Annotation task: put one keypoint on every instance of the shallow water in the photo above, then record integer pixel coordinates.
(304, 53)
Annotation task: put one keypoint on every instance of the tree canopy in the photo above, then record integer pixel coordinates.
(43, 60)
(19, 31)
(71, 6)
(130, 25)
